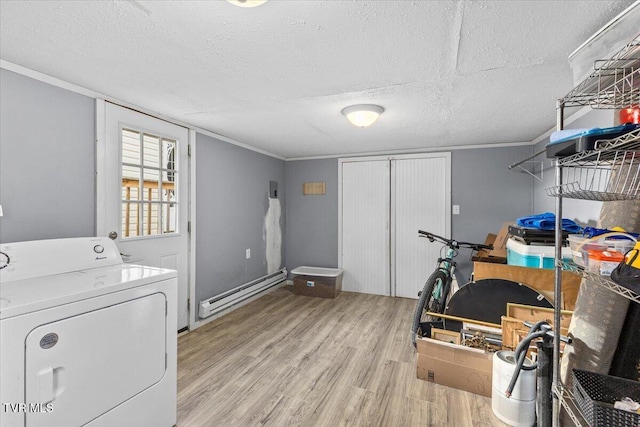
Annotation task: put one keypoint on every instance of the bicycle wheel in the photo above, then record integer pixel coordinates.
(429, 302)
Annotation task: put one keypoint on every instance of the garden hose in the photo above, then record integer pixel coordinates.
(521, 352)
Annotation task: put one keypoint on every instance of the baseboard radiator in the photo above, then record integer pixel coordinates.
(241, 293)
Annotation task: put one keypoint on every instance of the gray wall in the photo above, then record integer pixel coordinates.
(47, 158)
(312, 221)
(585, 212)
(488, 193)
(486, 190)
(232, 199)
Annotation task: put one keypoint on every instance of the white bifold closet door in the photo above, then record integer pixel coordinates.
(384, 203)
(419, 198)
(365, 225)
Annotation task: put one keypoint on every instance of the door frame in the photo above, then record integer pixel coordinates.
(392, 216)
(193, 322)
(101, 191)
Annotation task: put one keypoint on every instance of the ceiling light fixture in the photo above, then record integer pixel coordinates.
(363, 115)
(247, 3)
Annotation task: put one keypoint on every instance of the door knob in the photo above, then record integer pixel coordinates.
(113, 235)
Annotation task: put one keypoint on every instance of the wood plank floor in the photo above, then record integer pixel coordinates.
(289, 360)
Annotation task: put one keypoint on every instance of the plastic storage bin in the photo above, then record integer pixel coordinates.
(536, 256)
(604, 262)
(317, 281)
(580, 249)
(581, 246)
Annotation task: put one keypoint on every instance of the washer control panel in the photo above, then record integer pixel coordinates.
(24, 260)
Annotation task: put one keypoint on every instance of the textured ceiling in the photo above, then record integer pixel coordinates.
(276, 77)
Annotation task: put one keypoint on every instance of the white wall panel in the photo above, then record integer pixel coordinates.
(365, 227)
(420, 198)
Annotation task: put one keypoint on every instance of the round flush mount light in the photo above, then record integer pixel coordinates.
(247, 3)
(363, 115)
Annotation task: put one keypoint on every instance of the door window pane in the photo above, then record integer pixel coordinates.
(150, 186)
(169, 218)
(151, 150)
(130, 146)
(150, 219)
(130, 214)
(168, 150)
(130, 176)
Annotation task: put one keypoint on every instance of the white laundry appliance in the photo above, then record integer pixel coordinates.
(85, 339)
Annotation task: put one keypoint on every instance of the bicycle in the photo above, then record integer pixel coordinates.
(433, 297)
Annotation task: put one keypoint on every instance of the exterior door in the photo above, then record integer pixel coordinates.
(143, 192)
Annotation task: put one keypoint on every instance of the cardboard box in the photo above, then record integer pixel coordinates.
(483, 255)
(500, 243)
(454, 366)
(537, 278)
(498, 254)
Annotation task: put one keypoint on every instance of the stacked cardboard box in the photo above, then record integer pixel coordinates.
(454, 366)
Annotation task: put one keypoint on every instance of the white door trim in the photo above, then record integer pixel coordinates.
(193, 323)
(101, 167)
(392, 227)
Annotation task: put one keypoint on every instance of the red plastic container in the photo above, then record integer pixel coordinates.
(630, 115)
(603, 262)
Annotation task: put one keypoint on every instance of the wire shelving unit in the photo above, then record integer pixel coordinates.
(609, 172)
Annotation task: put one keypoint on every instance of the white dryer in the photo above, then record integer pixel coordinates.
(85, 339)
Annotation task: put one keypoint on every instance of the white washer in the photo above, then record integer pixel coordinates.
(85, 340)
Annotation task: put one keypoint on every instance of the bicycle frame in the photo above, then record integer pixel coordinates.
(448, 267)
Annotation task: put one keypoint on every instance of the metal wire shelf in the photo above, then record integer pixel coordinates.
(573, 191)
(618, 179)
(615, 83)
(604, 281)
(606, 150)
(609, 173)
(565, 396)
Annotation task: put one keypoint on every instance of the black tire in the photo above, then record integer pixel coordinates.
(426, 302)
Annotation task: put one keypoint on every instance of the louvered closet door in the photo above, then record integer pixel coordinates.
(420, 198)
(365, 227)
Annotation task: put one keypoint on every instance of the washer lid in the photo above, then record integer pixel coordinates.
(29, 295)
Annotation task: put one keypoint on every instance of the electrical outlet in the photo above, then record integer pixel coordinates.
(248, 253)
(456, 209)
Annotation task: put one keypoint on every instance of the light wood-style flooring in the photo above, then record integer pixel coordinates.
(289, 360)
